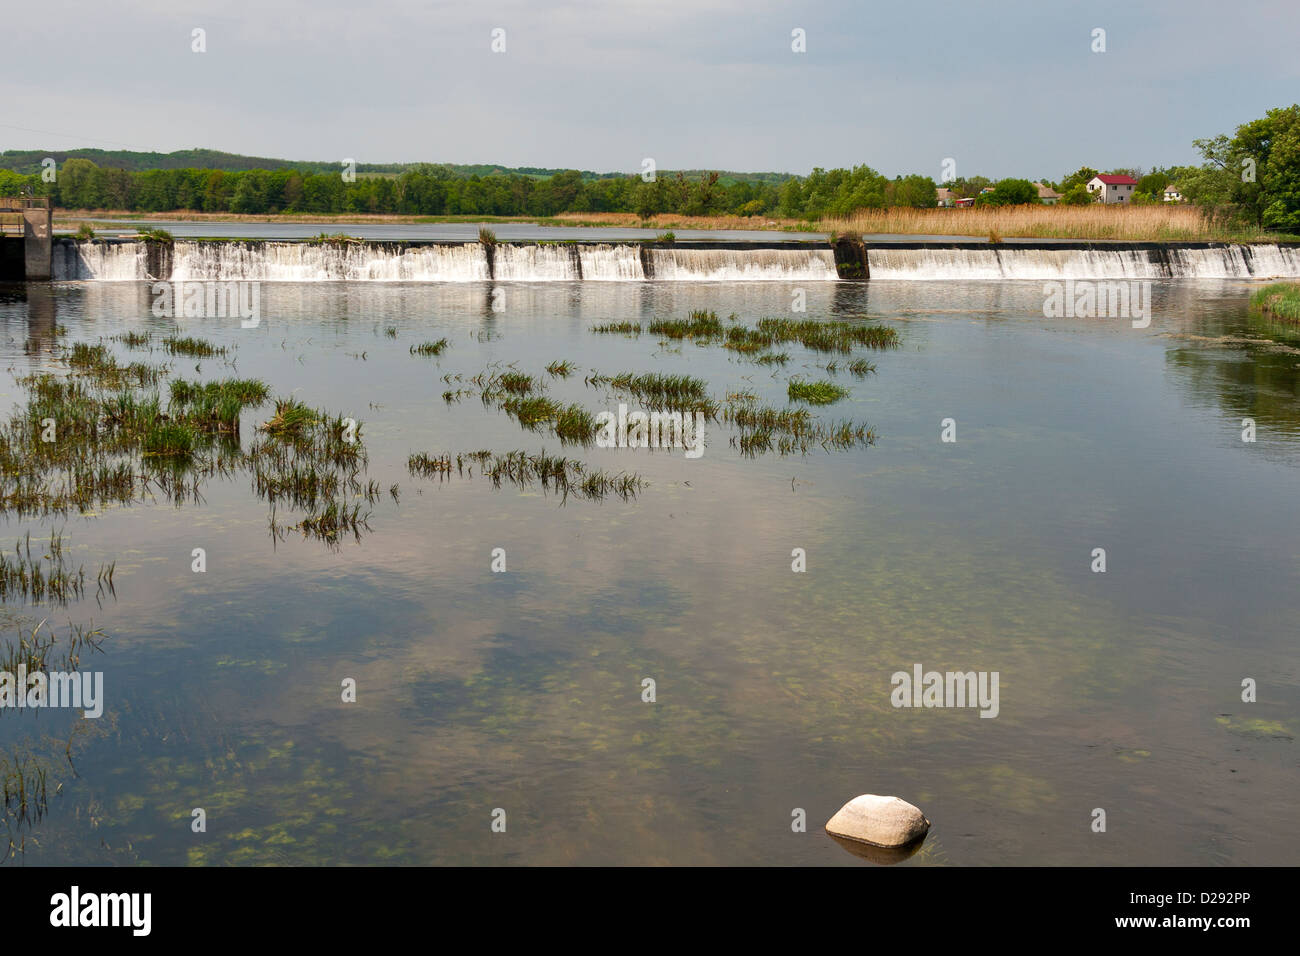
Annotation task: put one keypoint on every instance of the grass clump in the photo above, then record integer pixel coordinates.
(191, 347)
(562, 369)
(700, 324)
(429, 348)
(816, 393)
(291, 419)
(1280, 300)
(618, 328)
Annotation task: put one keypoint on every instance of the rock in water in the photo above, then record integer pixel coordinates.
(880, 821)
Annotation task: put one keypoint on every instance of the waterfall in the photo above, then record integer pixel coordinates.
(721, 265)
(611, 263)
(326, 262)
(104, 261)
(1014, 261)
(283, 261)
(540, 263)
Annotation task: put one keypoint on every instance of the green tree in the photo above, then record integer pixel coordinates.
(1010, 192)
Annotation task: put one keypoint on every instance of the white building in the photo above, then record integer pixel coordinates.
(1172, 194)
(1110, 189)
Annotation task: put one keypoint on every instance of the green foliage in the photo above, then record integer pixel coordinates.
(1280, 300)
(1080, 177)
(1076, 195)
(1252, 176)
(1010, 192)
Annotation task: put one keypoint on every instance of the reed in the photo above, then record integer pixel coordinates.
(1164, 222)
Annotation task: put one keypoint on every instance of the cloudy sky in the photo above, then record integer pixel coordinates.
(1004, 88)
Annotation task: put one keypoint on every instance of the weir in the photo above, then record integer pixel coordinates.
(792, 261)
(26, 234)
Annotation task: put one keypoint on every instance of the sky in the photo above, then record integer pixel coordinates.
(1009, 88)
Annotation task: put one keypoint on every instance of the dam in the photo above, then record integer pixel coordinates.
(102, 260)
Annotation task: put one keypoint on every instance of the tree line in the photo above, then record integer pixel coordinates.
(1252, 176)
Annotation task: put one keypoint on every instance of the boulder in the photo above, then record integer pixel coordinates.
(879, 821)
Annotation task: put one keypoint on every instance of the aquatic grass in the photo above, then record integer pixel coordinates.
(170, 440)
(426, 466)
(703, 327)
(247, 391)
(815, 393)
(560, 369)
(700, 324)
(41, 578)
(291, 419)
(333, 521)
(531, 411)
(617, 328)
(566, 476)
(1279, 300)
(575, 425)
(773, 358)
(134, 340)
(192, 347)
(861, 367)
(430, 348)
(657, 388)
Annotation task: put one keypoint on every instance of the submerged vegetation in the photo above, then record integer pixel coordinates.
(565, 476)
(704, 328)
(428, 348)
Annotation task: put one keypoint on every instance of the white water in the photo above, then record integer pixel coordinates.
(1009, 262)
(316, 262)
(611, 263)
(533, 263)
(721, 265)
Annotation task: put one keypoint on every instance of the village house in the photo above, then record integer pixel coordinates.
(1111, 189)
(946, 196)
(1047, 195)
(1172, 194)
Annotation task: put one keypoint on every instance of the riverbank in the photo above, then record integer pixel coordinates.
(1279, 301)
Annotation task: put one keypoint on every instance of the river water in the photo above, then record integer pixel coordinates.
(523, 691)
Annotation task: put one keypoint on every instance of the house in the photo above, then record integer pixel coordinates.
(1172, 194)
(1110, 189)
(946, 196)
(1047, 195)
(986, 189)
(964, 203)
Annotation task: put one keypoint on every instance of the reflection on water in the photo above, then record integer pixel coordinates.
(523, 691)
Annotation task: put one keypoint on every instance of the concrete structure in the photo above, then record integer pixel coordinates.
(35, 220)
(1112, 189)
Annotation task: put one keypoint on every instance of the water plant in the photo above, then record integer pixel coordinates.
(815, 393)
(191, 347)
(429, 348)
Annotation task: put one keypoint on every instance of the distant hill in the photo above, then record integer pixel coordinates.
(28, 161)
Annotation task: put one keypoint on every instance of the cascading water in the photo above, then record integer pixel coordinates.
(468, 262)
(534, 263)
(721, 265)
(1010, 261)
(611, 263)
